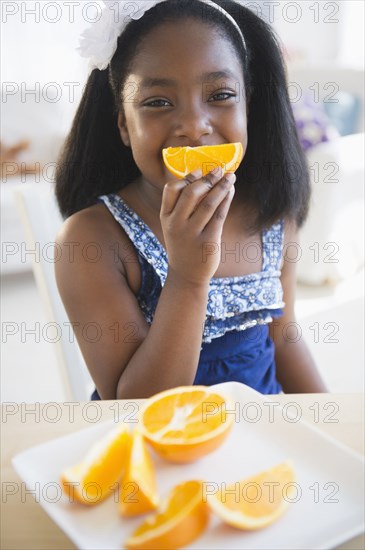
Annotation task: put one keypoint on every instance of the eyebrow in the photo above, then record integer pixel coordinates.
(150, 82)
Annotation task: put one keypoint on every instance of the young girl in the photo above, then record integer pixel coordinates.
(175, 282)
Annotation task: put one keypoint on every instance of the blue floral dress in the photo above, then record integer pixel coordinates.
(236, 345)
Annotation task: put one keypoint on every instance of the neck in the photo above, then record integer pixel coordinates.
(148, 195)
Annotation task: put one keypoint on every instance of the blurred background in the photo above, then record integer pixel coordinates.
(42, 81)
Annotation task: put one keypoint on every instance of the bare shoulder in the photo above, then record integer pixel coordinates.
(291, 246)
(93, 225)
(291, 256)
(93, 236)
(290, 231)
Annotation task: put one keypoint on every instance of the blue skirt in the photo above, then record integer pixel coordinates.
(246, 356)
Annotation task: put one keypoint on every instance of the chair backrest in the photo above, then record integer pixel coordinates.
(41, 219)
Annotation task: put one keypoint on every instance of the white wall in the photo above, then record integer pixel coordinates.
(317, 31)
(39, 54)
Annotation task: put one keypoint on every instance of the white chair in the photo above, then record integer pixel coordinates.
(41, 219)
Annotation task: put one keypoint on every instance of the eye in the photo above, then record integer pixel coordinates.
(221, 96)
(157, 103)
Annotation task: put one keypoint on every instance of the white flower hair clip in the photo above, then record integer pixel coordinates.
(99, 42)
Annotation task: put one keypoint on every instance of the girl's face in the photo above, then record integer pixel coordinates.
(185, 88)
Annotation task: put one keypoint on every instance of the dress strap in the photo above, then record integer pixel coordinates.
(142, 237)
(272, 246)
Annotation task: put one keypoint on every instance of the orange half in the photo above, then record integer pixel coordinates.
(180, 161)
(186, 423)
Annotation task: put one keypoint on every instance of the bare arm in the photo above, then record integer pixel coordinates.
(296, 370)
(169, 355)
(166, 354)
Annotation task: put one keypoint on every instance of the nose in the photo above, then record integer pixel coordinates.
(192, 125)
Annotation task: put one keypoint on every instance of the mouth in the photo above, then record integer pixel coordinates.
(190, 144)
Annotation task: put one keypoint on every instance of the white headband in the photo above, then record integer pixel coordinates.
(99, 42)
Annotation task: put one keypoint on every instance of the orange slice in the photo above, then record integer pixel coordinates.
(186, 423)
(183, 516)
(92, 480)
(256, 501)
(138, 488)
(180, 161)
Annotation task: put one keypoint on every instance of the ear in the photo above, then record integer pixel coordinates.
(123, 129)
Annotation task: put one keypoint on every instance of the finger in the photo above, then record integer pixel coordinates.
(173, 189)
(209, 204)
(219, 216)
(193, 193)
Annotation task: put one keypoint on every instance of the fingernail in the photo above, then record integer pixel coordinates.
(217, 171)
(197, 173)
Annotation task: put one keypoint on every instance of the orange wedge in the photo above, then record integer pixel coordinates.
(186, 423)
(138, 488)
(183, 516)
(256, 501)
(180, 161)
(93, 479)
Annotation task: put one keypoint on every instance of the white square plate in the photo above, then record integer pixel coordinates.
(329, 507)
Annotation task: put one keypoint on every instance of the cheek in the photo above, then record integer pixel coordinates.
(145, 142)
(143, 134)
(239, 128)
